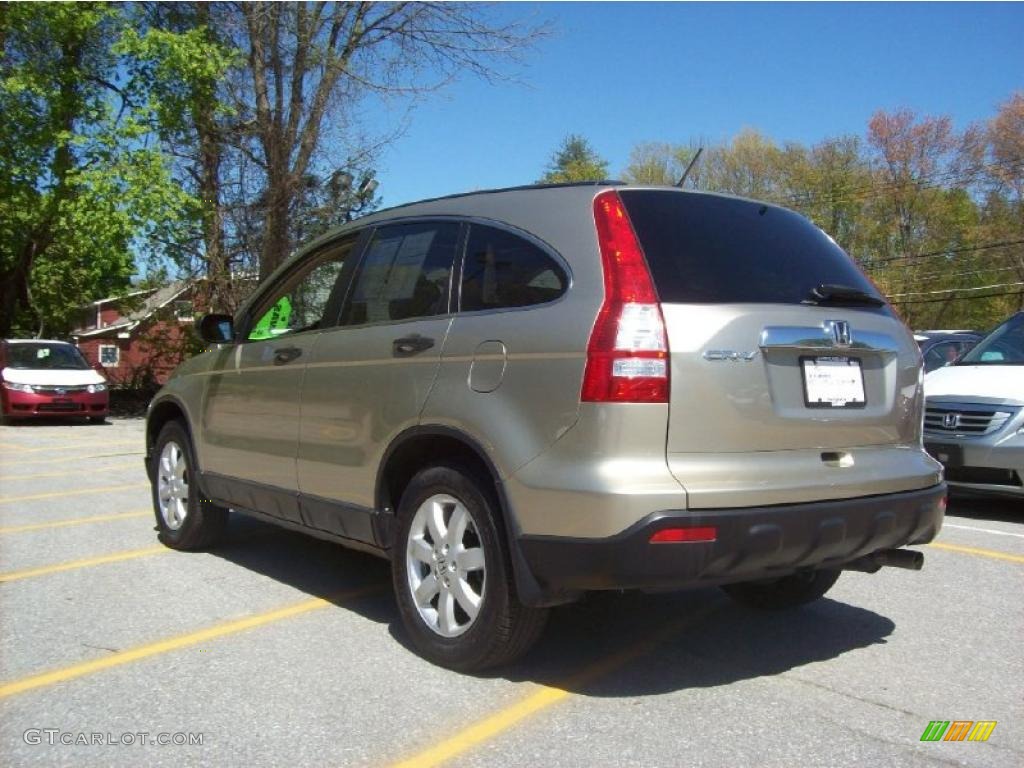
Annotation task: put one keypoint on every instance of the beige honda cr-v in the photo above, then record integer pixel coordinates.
(521, 395)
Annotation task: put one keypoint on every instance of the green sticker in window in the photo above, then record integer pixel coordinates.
(274, 322)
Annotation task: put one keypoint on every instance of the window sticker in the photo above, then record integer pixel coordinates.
(274, 322)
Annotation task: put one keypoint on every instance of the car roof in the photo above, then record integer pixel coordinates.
(540, 209)
(526, 201)
(37, 341)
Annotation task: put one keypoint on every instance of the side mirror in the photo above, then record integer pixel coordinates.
(98, 367)
(216, 329)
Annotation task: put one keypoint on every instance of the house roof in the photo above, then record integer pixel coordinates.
(155, 301)
(123, 296)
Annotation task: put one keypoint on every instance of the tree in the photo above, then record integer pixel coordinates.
(178, 61)
(750, 165)
(827, 184)
(574, 160)
(1003, 210)
(920, 203)
(78, 185)
(309, 63)
(653, 162)
(265, 123)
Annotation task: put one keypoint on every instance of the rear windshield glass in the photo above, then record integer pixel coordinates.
(45, 356)
(708, 249)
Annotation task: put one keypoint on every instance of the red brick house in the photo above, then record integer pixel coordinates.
(139, 338)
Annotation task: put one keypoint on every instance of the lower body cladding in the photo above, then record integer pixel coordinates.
(707, 547)
(981, 465)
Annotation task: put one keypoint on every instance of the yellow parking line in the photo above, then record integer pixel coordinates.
(36, 476)
(181, 641)
(79, 492)
(73, 521)
(72, 565)
(8, 465)
(71, 446)
(978, 551)
(545, 697)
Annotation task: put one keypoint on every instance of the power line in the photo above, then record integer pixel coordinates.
(961, 298)
(944, 252)
(954, 290)
(974, 272)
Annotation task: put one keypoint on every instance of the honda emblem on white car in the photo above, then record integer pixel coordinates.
(951, 420)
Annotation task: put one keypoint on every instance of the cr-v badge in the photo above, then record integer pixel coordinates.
(728, 354)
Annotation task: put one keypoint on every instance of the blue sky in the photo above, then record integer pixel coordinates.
(622, 73)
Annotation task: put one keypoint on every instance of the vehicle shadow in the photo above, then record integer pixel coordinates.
(631, 644)
(607, 645)
(986, 508)
(55, 421)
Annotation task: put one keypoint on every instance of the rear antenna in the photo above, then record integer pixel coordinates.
(682, 179)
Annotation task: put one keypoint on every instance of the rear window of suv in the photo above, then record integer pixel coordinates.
(707, 249)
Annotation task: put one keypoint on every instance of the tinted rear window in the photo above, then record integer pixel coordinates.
(707, 249)
(502, 270)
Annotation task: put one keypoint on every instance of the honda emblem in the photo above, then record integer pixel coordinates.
(840, 332)
(951, 420)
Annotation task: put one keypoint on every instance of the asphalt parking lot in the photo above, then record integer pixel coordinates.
(278, 649)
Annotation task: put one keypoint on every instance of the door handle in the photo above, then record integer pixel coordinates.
(285, 355)
(407, 346)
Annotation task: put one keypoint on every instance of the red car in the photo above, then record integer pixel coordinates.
(40, 378)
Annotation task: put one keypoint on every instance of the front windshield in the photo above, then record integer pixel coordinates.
(1004, 346)
(43, 356)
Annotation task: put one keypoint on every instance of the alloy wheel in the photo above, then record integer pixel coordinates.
(446, 565)
(172, 485)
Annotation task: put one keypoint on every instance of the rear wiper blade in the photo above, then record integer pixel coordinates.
(829, 293)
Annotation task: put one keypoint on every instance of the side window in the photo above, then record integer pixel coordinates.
(307, 300)
(405, 273)
(504, 270)
(940, 355)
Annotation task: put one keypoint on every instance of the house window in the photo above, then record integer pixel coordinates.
(110, 355)
(184, 311)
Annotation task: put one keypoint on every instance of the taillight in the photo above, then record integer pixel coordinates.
(627, 357)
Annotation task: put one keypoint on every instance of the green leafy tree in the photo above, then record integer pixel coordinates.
(80, 189)
(653, 162)
(575, 160)
(179, 61)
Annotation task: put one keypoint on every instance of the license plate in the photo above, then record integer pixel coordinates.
(947, 455)
(833, 382)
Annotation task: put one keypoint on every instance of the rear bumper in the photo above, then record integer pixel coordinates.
(23, 405)
(751, 543)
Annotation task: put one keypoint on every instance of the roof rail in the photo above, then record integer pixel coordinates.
(556, 185)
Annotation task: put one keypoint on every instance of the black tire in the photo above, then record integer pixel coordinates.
(97, 419)
(204, 523)
(788, 592)
(504, 629)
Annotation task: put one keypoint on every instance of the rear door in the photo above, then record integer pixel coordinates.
(773, 391)
(368, 379)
